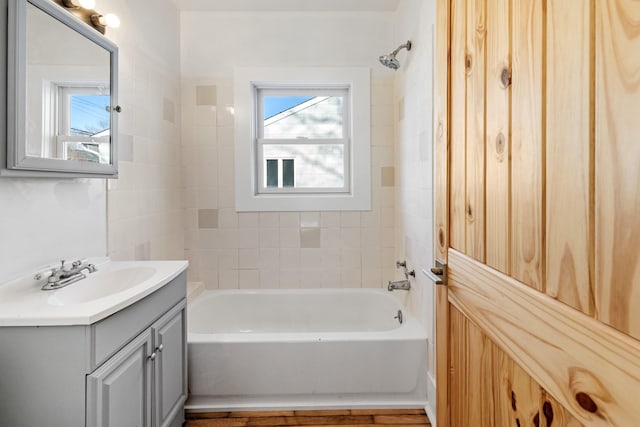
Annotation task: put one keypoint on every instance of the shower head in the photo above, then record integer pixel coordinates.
(390, 59)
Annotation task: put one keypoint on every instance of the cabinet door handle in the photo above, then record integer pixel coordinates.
(152, 356)
(160, 347)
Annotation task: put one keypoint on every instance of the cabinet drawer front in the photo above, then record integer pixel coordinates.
(112, 333)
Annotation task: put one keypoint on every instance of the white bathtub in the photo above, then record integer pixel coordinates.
(332, 348)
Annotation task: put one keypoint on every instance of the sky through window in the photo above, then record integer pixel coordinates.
(277, 104)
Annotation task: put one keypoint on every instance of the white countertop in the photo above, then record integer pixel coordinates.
(118, 284)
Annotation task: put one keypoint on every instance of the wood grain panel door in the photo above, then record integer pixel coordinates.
(538, 212)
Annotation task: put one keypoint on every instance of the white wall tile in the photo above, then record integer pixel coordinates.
(248, 259)
(351, 278)
(249, 220)
(372, 278)
(289, 220)
(227, 259)
(227, 218)
(289, 237)
(269, 237)
(330, 219)
(289, 258)
(289, 278)
(269, 258)
(248, 279)
(269, 278)
(350, 259)
(228, 279)
(269, 219)
(350, 219)
(350, 237)
(248, 238)
(330, 237)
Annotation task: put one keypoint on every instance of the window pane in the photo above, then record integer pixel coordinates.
(272, 173)
(303, 117)
(316, 165)
(89, 115)
(287, 173)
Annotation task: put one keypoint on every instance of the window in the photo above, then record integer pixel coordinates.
(83, 128)
(302, 139)
(78, 122)
(279, 173)
(310, 127)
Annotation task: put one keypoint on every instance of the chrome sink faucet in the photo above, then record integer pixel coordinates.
(61, 277)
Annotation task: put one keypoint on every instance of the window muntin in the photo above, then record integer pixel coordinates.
(309, 126)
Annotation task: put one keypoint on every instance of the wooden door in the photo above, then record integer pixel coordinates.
(538, 212)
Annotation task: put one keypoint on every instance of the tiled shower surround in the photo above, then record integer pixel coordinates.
(227, 249)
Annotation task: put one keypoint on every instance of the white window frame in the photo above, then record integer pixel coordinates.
(58, 129)
(261, 141)
(250, 195)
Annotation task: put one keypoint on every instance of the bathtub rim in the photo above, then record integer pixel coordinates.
(410, 329)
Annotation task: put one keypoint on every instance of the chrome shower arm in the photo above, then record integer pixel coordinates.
(407, 46)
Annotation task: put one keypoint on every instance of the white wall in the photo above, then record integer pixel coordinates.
(414, 161)
(46, 220)
(145, 214)
(43, 221)
(280, 249)
(213, 43)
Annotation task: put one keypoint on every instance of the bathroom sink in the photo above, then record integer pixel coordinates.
(114, 286)
(100, 285)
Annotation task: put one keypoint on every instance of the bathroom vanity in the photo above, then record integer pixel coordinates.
(87, 357)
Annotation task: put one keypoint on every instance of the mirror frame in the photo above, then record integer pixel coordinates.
(17, 162)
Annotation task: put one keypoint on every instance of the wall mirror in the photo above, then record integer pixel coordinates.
(61, 94)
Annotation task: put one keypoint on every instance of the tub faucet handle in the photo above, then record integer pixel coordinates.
(401, 264)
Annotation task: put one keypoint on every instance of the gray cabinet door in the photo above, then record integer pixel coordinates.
(170, 365)
(119, 392)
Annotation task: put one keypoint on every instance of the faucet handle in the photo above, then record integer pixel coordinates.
(401, 264)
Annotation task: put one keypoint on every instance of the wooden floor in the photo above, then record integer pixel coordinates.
(343, 418)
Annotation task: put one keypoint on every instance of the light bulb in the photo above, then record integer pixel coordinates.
(87, 4)
(108, 20)
(74, 4)
(111, 20)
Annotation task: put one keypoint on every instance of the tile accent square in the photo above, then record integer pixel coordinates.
(168, 110)
(207, 218)
(206, 95)
(309, 219)
(387, 176)
(310, 237)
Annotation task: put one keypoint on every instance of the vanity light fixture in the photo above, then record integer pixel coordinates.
(84, 10)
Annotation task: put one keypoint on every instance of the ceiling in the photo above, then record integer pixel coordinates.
(288, 5)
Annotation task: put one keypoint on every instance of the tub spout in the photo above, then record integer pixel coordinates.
(403, 285)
